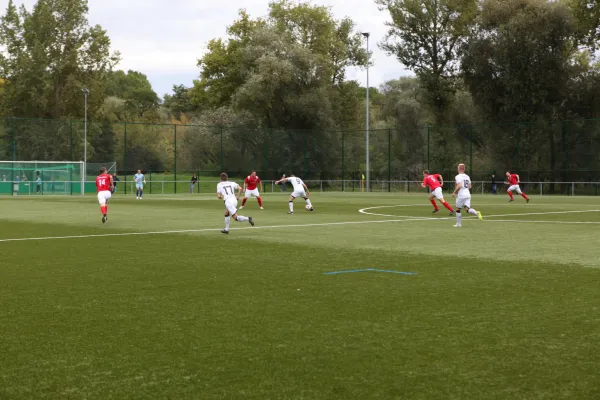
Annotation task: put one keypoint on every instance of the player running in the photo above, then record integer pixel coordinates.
(250, 189)
(140, 181)
(300, 190)
(463, 200)
(435, 183)
(513, 182)
(104, 185)
(226, 192)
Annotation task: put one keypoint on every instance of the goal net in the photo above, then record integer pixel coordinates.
(41, 177)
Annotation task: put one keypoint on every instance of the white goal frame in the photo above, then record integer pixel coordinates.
(42, 164)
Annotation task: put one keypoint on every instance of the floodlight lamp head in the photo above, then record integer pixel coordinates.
(366, 34)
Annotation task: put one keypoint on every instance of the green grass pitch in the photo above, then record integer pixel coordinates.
(157, 303)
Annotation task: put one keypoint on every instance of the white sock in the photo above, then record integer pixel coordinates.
(291, 206)
(308, 202)
(227, 221)
(241, 218)
(472, 211)
(458, 218)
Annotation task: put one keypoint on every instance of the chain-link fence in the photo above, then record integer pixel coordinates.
(541, 151)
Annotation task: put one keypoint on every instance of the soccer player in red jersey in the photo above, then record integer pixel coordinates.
(513, 182)
(435, 183)
(104, 185)
(250, 189)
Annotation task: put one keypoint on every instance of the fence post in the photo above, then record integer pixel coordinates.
(125, 154)
(175, 155)
(266, 156)
(428, 141)
(305, 149)
(342, 161)
(471, 151)
(389, 159)
(14, 141)
(518, 144)
(150, 173)
(70, 140)
(568, 152)
(198, 175)
(222, 168)
(71, 155)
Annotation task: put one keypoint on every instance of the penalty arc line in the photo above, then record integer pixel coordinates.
(362, 211)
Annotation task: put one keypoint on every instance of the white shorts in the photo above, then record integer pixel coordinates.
(438, 193)
(139, 187)
(463, 202)
(250, 193)
(231, 206)
(104, 196)
(514, 188)
(299, 193)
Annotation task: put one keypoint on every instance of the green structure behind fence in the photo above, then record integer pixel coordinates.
(544, 151)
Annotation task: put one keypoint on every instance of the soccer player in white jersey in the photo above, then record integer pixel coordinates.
(300, 190)
(226, 192)
(463, 195)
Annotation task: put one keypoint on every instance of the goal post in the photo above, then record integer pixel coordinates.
(42, 177)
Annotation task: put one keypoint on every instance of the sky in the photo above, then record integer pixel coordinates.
(164, 38)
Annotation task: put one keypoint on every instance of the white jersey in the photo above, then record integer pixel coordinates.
(464, 191)
(227, 190)
(296, 183)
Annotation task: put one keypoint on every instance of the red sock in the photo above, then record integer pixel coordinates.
(259, 201)
(524, 196)
(511, 196)
(104, 210)
(244, 201)
(445, 203)
(434, 205)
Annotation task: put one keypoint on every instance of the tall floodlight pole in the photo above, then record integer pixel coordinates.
(366, 35)
(86, 92)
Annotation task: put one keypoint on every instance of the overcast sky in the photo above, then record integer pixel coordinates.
(164, 38)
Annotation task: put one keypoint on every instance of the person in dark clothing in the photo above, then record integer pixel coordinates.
(115, 180)
(283, 183)
(193, 182)
(494, 187)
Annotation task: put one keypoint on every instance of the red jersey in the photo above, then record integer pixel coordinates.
(432, 181)
(103, 182)
(252, 182)
(513, 180)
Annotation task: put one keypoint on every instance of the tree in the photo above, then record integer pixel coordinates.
(426, 36)
(179, 102)
(135, 89)
(520, 65)
(587, 16)
(286, 71)
(220, 66)
(302, 43)
(51, 54)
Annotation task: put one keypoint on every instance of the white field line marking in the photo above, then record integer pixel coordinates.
(546, 222)
(485, 216)
(408, 219)
(204, 230)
